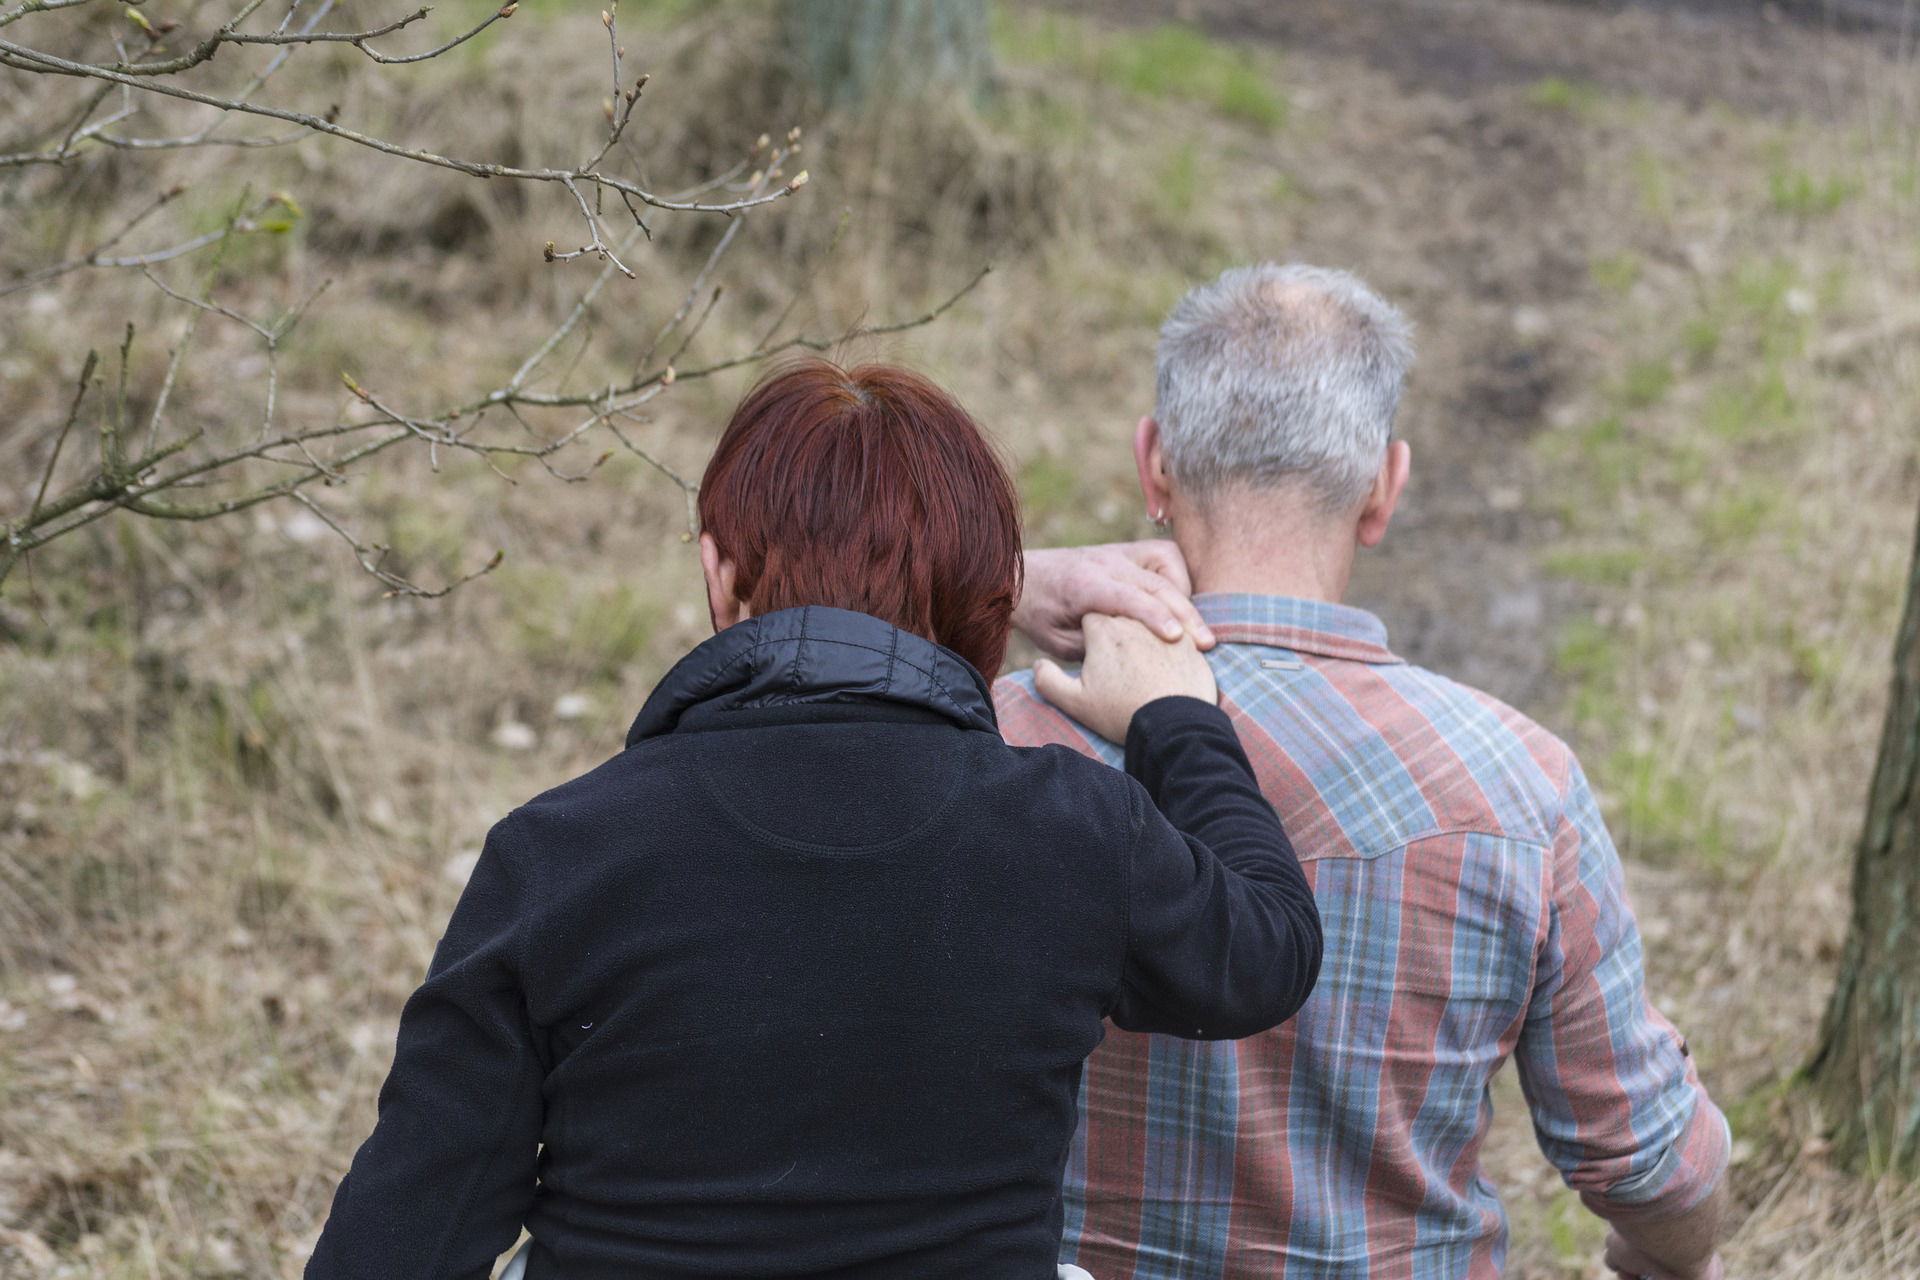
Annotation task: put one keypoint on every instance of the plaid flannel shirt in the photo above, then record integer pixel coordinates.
(1474, 912)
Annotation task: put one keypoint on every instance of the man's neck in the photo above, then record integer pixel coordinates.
(1260, 552)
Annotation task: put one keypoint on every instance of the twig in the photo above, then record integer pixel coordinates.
(395, 584)
(599, 246)
(20, 11)
(92, 257)
(59, 442)
(283, 36)
(504, 12)
(566, 326)
(23, 58)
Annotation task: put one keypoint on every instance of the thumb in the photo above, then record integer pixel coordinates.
(1056, 686)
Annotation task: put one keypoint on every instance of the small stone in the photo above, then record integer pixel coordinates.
(1530, 323)
(380, 813)
(513, 735)
(572, 706)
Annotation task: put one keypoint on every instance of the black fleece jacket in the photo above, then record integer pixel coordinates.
(800, 983)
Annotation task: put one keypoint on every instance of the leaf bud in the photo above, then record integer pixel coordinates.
(506, 10)
(666, 378)
(799, 181)
(606, 19)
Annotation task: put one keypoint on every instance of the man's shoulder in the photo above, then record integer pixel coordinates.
(1475, 714)
(1476, 762)
(1029, 720)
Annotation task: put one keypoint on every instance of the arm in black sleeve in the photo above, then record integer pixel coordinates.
(440, 1189)
(1223, 936)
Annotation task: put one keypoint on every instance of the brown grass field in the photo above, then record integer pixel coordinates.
(1667, 462)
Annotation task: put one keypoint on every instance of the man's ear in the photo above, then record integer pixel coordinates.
(1388, 484)
(723, 606)
(1150, 458)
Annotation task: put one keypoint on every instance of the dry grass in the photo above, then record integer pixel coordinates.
(237, 788)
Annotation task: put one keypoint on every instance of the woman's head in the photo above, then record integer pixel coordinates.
(867, 489)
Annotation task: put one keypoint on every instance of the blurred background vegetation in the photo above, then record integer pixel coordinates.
(1663, 260)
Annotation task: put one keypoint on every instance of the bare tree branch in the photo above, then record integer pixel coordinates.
(161, 454)
(20, 57)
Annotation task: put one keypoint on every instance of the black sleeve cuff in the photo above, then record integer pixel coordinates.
(1159, 729)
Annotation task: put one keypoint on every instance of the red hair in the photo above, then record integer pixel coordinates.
(868, 489)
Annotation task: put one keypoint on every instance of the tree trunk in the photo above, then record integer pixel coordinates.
(858, 53)
(1867, 1070)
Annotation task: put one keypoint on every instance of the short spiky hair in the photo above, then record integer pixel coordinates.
(868, 489)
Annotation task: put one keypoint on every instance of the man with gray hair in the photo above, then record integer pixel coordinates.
(1472, 901)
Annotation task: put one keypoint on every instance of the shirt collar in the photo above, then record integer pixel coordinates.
(1289, 622)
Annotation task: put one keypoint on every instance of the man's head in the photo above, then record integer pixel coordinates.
(1277, 388)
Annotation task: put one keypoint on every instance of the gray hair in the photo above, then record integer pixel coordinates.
(1277, 372)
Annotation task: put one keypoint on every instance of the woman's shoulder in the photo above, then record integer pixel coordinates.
(632, 781)
(1060, 776)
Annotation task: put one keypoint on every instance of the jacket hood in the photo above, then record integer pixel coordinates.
(814, 654)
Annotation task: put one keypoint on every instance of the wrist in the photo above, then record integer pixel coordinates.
(1160, 714)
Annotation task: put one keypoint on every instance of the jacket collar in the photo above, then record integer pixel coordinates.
(816, 655)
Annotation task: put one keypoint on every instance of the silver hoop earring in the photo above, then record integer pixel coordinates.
(1159, 519)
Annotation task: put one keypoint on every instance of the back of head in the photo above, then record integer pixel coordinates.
(1273, 374)
(868, 489)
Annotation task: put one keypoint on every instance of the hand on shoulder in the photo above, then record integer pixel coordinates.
(1127, 667)
(1143, 580)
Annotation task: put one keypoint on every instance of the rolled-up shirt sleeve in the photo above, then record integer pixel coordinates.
(1616, 1099)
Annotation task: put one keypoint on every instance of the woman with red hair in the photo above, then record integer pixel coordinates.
(799, 984)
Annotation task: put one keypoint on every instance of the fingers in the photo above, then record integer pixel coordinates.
(1167, 579)
(1145, 605)
(1174, 599)
(1162, 556)
(1061, 641)
(1056, 686)
(1156, 602)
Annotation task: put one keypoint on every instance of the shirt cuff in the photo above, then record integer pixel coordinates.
(1683, 1177)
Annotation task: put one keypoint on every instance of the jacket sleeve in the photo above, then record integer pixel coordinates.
(439, 1190)
(1617, 1104)
(1223, 937)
